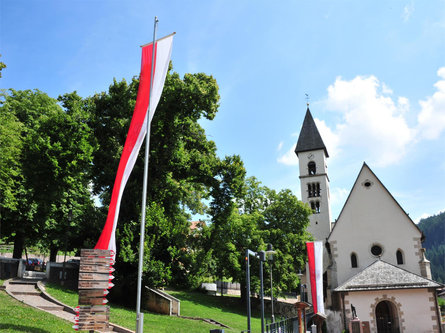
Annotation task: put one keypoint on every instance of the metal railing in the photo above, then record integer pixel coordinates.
(289, 325)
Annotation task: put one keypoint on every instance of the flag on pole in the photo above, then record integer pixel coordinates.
(138, 129)
(315, 260)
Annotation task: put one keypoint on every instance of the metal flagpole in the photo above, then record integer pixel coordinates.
(139, 314)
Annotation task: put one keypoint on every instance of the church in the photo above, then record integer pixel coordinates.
(375, 270)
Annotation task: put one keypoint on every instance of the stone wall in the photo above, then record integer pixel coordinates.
(68, 276)
(161, 302)
(11, 268)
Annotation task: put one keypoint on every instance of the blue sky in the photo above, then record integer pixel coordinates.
(374, 71)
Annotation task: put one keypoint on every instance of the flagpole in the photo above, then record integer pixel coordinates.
(139, 314)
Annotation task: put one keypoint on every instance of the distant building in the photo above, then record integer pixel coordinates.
(373, 257)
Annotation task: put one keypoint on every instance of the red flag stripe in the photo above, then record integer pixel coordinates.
(137, 131)
(311, 262)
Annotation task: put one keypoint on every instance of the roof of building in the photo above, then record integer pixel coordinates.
(382, 275)
(310, 138)
(196, 224)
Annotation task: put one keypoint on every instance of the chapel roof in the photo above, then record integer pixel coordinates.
(310, 138)
(382, 275)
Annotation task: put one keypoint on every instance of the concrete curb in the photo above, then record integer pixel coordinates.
(41, 286)
(45, 295)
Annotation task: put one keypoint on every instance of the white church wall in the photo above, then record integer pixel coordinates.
(371, 216)
(415, 308)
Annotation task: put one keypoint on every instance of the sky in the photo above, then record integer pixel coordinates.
(374, 72)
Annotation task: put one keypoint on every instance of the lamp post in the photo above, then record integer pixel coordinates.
(270, 252)
(300, 275)
(262, 256)
(248, 254)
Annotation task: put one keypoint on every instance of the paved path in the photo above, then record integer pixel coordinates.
(27, 291)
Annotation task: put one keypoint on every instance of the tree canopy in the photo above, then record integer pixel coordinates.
(59, 157)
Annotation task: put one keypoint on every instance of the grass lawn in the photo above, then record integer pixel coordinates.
(16, 317)
(226, 310)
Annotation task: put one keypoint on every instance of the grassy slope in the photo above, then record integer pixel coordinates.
(16, 317)
(226, 310)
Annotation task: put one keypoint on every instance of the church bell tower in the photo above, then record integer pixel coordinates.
(314, 180)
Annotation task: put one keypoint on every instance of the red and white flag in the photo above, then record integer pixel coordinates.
(137, 130)
(315, 260)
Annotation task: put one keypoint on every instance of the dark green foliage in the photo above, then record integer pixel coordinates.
(251, 218)
(2, 65)
(181, 167)
(433, 228)
(54, 154)
(49, 172)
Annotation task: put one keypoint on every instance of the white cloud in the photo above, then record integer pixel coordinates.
(431, 119)
(280, 145)
(425, 215)
(330, 139)
(371, 120)
(408, 11)
(289, 158)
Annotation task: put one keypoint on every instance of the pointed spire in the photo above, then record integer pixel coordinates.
(310, 138)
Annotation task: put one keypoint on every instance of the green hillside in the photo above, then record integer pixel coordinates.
(433, 228)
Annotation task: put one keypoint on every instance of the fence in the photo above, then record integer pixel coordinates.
(289, 325)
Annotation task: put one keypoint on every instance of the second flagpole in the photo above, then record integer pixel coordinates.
(139, 314)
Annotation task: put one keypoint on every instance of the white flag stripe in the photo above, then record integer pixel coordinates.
(163, 51)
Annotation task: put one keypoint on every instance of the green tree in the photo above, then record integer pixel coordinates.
(10, 151)
(54, 169)
(285, 222)
(256, 217)
(2, 65)
(181, 167)
(228, 187)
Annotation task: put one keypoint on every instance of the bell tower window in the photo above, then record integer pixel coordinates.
(315, 206)
(313, 190)
(312, 168)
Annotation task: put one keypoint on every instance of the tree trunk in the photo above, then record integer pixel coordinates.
(19, 241)
(243, 290)
(53, 254)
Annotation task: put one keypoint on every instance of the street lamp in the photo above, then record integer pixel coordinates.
(262, 256)
(248, 254)
(270, 252)
(300, 276)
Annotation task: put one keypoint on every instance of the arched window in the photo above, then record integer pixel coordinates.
(399, 256)
(354, 260)
(312, 168)
(313, 190)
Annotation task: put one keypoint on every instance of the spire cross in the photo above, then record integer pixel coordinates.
(307, 99)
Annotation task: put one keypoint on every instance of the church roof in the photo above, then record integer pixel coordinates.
(310, 138)
(382, 275)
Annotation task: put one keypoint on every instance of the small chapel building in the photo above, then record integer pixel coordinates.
(373, 258)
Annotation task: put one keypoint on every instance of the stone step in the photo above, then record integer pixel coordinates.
(51, 307)
(24, 281)
(29, 293)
